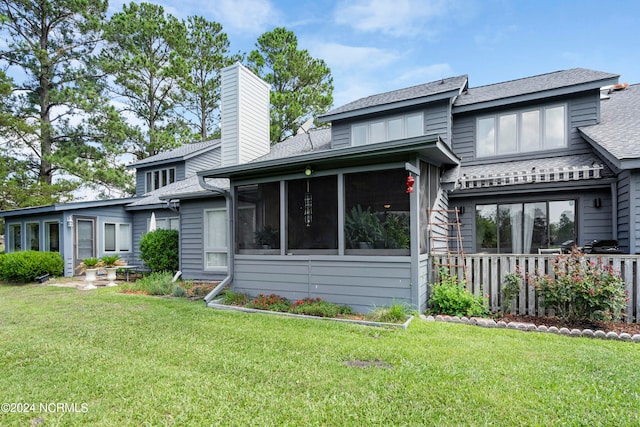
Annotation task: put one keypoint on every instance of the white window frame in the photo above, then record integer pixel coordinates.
(119, 241)
(542, 127)
(385, 121)
(215, 250)
(164, 178)
(161, 223)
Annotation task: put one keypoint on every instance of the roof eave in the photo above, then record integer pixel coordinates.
(535, 96)
(63, 207)
(431, 146)
(392, 105)
(189, 195)
(173, 159)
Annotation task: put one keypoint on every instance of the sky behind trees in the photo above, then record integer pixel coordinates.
(379, 45)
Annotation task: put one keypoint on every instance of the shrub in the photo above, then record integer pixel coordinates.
(153, 284)
(25, 266)
(271, 302)
(159, 250)
(179, 291)
(581, 289)
(318, 307)
(510, 289)
(452, 298)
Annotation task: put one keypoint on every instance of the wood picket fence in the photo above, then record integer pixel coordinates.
(485, 274)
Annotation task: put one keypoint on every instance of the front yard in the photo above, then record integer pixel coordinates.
(106, 358)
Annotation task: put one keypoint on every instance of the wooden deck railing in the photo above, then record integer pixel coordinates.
(485, 274)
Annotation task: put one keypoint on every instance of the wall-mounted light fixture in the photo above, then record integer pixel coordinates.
(460, 210)
(308, 171)
(597, 203)
(70, 222)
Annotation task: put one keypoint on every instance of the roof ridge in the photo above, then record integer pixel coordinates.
(444, 79)
(532, 77)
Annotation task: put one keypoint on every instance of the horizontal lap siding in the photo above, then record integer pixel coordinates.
(623, 211)
(437, 120)
(360, 284)
(192, 239)
(340, 135)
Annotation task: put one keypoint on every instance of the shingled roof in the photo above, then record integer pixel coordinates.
(412, 93)
(534, 84)
(619, 129)
(181, 153)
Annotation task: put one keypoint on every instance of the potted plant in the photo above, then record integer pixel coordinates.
(396, 231)
(363, 227)
(89, 266)
(267, 237)
(111, 264)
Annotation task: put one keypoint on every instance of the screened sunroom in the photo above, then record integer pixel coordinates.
(345, 225)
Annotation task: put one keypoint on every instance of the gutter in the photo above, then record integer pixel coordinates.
(230, 259)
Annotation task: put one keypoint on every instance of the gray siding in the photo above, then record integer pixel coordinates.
(206, 161)
(437, 120)
(340, 134)
(624, 212)
(140, 174)
(192, 237)
(360, 282)
(582, 111)
(140, 221)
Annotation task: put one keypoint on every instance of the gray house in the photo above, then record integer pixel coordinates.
(349, 212)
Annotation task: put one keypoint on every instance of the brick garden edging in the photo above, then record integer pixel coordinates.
(530, 327)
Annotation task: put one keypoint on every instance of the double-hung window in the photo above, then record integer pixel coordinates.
(522, 131)
(159, 178)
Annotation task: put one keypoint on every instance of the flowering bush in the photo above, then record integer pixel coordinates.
(271, 302)
(581, 289)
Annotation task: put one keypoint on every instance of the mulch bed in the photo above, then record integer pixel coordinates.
(617, 327)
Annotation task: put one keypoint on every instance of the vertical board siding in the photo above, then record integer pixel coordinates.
(485, 274)
(360, 283)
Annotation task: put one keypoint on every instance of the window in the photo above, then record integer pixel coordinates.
(398, 127)
(523, 228)
(32, 236)
(377, 216)
(52, 236)
(523, 131)
(168, 223)
(258, 218)
(117, 237)
(159, 178)
(215, 238)
(15, 237)
(312, 215)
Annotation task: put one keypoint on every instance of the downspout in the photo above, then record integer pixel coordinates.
(229, 200)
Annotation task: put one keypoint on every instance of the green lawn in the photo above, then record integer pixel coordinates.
(138, 360)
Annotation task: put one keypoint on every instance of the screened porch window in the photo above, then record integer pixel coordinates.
(377, 213)
(312, 215)
(523, 228)
(258, 218)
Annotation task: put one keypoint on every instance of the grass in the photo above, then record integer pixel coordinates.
(140, 360)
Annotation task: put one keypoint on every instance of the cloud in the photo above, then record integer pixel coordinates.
(425, 74)
(395, 18)
(252, 16)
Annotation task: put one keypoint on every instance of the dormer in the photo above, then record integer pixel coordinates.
(402, 114)
(175, 165)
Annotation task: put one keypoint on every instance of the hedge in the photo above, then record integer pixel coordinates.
(25, 266)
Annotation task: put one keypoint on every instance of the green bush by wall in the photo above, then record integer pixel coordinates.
(159, 250)
(25, 266)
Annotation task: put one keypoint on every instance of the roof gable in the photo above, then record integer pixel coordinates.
(183, 152)
(414, 95)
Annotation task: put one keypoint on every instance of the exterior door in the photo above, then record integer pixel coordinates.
(85, 239)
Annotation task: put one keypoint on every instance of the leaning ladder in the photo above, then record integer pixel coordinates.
(446, 242)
